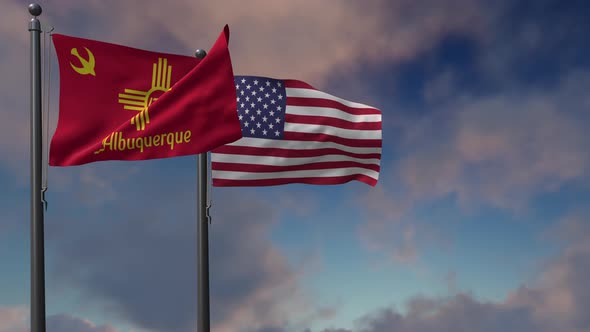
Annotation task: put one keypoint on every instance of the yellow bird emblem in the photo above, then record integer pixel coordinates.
(87, 65)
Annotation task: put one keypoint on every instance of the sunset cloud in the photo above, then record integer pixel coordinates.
(16, 319)
(253, 285)
(485, 149)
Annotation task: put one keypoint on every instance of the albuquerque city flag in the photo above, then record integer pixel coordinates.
(122, 103)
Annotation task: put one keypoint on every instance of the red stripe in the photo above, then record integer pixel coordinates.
(319, 102)
(286, 153)
(274, 182)
(363, 143)
(297, 84)
(328, 121)
(217, 166)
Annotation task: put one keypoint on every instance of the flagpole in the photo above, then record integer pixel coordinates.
(37, 237)
(203, 315)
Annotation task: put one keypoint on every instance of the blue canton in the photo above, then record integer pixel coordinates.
(261, 106)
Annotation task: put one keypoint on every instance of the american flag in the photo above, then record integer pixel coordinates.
(294, 133)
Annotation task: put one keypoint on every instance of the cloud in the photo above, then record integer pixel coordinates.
(496, 151)
(306, 40)
(137, 259)
(522, 47)
(16, 319)
(460, 313)
(14, 92)
(13, 319)
(556, 300)
(500, 150)
(561, 296)
(384, 220)
(256, 285)
(92, 185)
(494, 128)
(67, 323)
(390, 229)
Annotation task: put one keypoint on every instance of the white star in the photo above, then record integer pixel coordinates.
(242, 92)
(242, 105)
(258, 112)
(255, 82)
(267, 83)
(272, 113)
(246, 124)
(258, 125)
(279, 108)
(274, 90)
(272, 101)
(252, 118)
(265, 106)
(237, 87)
(259, 99)
(248, 87)
(261, 89)
(277, 133)
(247, 98)
(247, 111)
(254, 93)
(267, 95)
(264, 118)
(243, 80)
(241, 117)
(264, 132)
(238, 99)
(278, 120)
(252, 105)
(271, 126)
(280, 97)
(279, 84)
(252, 131)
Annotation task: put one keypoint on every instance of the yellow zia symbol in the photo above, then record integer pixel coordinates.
(140, 101)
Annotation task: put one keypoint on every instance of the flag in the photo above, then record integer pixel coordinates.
(294, 133)
(122, 103)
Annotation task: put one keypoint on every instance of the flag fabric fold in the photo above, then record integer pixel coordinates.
(294, 133)
(122, 103)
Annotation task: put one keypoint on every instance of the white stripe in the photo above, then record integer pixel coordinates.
(310, 93)
(333, 131)
(285, 161)
(299, 145)
(315, 173)
(332, 113)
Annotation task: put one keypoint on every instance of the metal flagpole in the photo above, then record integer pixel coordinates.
(203, 237)
(37, 236)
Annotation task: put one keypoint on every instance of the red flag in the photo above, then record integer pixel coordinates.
(122, 103)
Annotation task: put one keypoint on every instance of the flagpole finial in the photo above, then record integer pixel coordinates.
(35, 9)
(200, 53)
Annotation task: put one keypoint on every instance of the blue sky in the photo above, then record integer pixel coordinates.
(479, 221)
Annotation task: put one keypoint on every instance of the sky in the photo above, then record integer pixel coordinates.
(479, 221)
